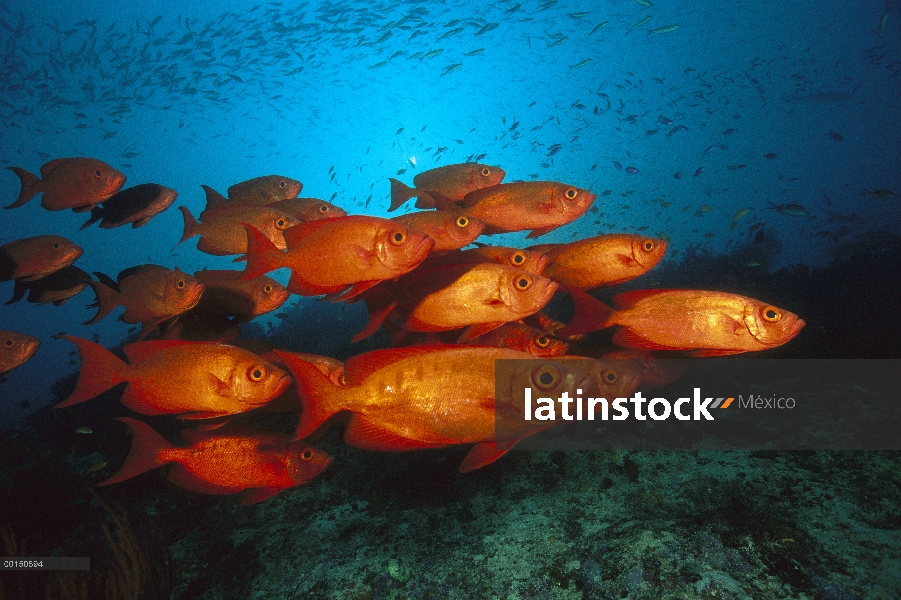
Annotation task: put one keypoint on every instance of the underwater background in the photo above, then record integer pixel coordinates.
(773, 117)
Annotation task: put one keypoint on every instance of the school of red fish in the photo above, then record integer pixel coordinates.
(451, 313)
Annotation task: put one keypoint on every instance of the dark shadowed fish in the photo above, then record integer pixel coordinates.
(56, 287)
(136, 205)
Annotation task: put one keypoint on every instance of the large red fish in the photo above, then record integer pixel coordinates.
(258, 191)
(518, 336)
(35, 257)
(451, 181)
(224, 461)
(15, 350)
(333, 255)
(451, 230)
(76, 183)
(434, 396)
(195, 380)
(541, 206)
(222, 230)
(602, 260)
(480, 297)
(310, 209)
(703, 323)
(151, 294)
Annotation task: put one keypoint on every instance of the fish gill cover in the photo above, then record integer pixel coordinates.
(759, 142)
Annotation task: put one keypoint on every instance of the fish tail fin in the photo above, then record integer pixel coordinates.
(95, 216)
(316, 392)
(31, 186)
(262, 255)
(146, 445)
(192, 227)
(107, 300)
(98, 372)
(591, 314)
(400, 193)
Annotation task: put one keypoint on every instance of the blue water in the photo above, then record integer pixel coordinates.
(205, 93)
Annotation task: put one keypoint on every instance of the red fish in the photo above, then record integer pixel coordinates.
(76, 183)
(222, 230)
(259, 191)
(451, 181)
(602, 260)
(703, 323)
(518, 336)
(309, 209)
(434, 396)
(451, 230)
(32, 258)
(531, 262)
(348, 254)
(541, 206)
(151, 294)
(15, 350)
(224, 461)
(195, 380)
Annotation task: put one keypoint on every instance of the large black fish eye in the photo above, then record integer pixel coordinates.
(9, 343)
(486, 171)
(323, 209)
(180, 284)
(571, 193)
(98, 173)
(462, 222)
(523, 283)
(282, 184)
(648, 245)
(56, 244)
(542, 341)
(306, 454)
(518, 259)
(267, 288)
(398, 237)
(771, 314)
(547, 377)
(610, 376)
(256, 373)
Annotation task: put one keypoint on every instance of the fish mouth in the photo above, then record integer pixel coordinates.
(29, 348)
(424, 246)
(74, 254)
(548, 292)
(543, 262)
(193, 297)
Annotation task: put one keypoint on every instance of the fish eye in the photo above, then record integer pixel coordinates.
(323, 209)
(180, 284)
(518, 259)
(56, 244)
(281, 224)
(547, 377)
(256, 373)
(9, 343)
(610, 376)
(282, 184)
(98, 173)
(267, 288)
(523, 283)
(542, 341)
(306, 454)
(771, 314)
(398, 237)
(571, 194)
(648, 245)
(486, 171)
(462, 222)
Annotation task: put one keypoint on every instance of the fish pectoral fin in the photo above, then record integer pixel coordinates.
(541, 231)
(183, 478)
(626, 338)
(485, 454)
(221, 387)
(476, 330)
(365, 434)
(259, 494)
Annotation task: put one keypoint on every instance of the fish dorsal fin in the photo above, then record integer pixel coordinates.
(294, 235)
(214, 199)
(358, 368)
(139, 351)
(48, 167)
(107, 281)
(135, 270)
(628, 299)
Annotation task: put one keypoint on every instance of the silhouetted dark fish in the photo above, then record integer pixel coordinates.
(57, 287)
(135, 205)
